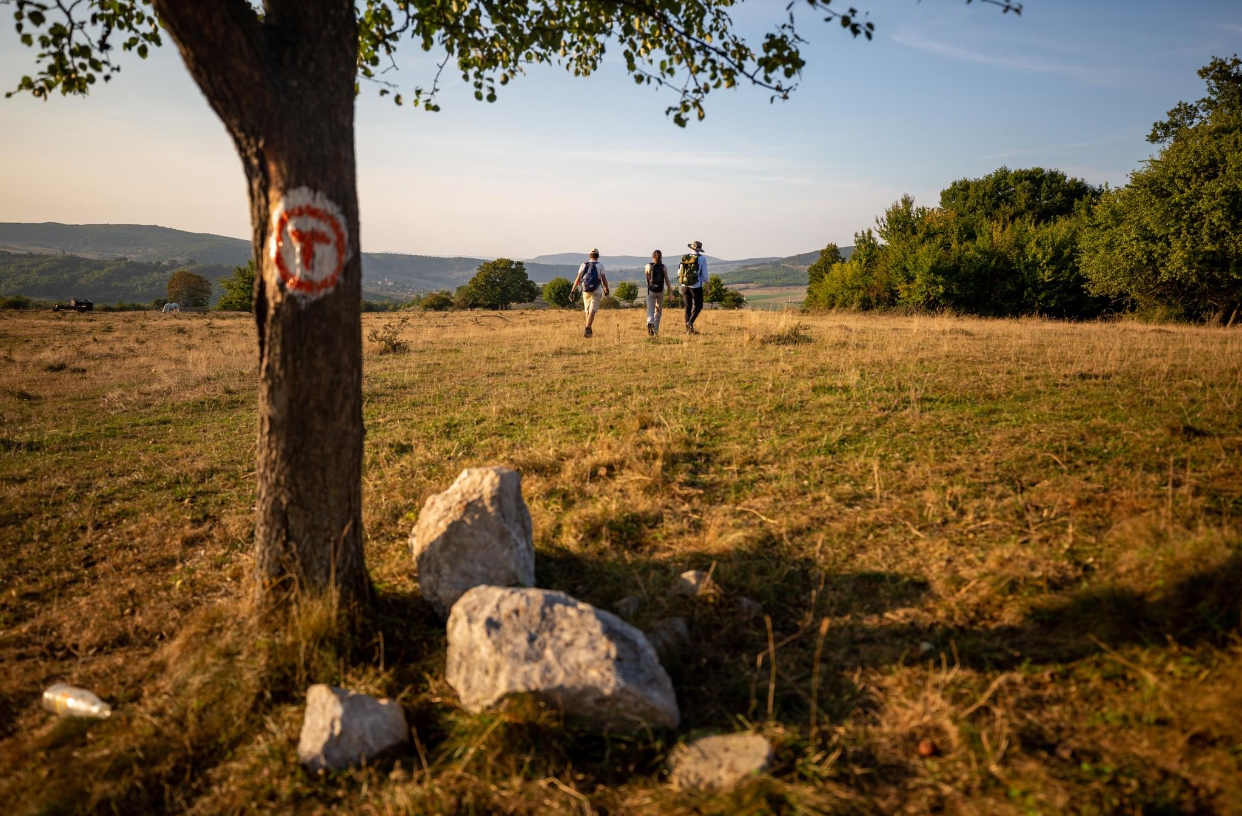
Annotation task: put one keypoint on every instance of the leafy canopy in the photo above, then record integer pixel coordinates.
(556, 292)
(238, 289)
(500, 283)
(189, 289)
(690, 46)
(627, 291)
(1170, 240)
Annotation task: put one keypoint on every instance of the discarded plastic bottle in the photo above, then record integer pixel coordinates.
(71, 701)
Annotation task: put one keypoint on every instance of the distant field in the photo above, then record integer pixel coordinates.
(1014, 542)
(772, 297)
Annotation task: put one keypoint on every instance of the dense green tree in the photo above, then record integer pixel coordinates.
(188, 289)
(1172, 238)
(556, 292)
(627, 292)
(1004, 195)
(829, 257)
(732, 299)
(501, 282)
(238, 289)
(282, 76)
(715, 289)
(862, 282)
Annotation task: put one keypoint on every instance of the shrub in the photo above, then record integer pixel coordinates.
(16, 302)
(556, 292)
(627, 292)
(387, 338)
(435, 302)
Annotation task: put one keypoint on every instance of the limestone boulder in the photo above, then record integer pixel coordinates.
(586, 662)
(719, 762)
(476, 533)
(343, 728)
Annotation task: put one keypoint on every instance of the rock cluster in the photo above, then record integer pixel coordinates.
(343, 728)
(476, 533)
(586, 662)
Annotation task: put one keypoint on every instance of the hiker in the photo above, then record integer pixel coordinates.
(591, 279)
(692, 275)
(657, 286)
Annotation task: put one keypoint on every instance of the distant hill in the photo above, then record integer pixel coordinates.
(60, 277)
(133, 241)
(110, 262)
(788, 271)
(383, 273)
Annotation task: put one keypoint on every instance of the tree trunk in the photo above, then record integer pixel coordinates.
(284, 88)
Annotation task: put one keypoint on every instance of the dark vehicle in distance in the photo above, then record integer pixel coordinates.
(75, 305)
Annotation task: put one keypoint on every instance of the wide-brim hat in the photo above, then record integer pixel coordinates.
(698, 245)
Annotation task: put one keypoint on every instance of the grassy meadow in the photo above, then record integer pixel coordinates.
(1015, 542)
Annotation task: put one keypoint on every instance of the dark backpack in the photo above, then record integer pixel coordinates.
(590, 277)
(656, 284)
(688, 270)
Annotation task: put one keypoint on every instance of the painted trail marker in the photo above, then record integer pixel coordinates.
(309, 243)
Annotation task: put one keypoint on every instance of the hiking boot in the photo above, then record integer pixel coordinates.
(650, 330)
(586, 332)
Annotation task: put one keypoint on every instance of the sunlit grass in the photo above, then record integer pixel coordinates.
(1022, 534)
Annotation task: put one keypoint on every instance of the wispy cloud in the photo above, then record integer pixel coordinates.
(1095, 75)
(1234, 27)
(1042, 150)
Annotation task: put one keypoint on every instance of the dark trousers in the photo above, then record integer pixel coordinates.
(693, 296)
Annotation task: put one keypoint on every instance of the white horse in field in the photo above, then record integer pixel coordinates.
(172, 307)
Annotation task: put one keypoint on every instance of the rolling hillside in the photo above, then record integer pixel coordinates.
(789, 271)
(110, 262)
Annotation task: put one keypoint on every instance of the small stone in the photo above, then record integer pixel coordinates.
(928, 748)
(476, 533)
(586, 662)
(749, 608)
(719, 762)
(691, 583)
(628, 606)
(925, 647)
(668, 635)
(343, 728)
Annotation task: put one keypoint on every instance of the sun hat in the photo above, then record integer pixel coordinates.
(696, 245)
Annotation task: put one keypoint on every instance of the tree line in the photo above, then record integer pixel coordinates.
(1035, 241)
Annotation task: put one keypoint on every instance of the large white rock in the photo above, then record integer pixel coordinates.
(476, 533)
(586, 662)
(715, 763)
(343, 728)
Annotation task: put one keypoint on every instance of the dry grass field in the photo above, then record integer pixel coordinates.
(1018, 540)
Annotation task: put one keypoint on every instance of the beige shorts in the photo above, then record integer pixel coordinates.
(591, 301)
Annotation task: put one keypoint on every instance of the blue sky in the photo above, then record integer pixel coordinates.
(558, 164)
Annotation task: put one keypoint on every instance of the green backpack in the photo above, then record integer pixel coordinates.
(688, 271)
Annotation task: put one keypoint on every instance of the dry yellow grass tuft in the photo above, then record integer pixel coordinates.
(999, 560)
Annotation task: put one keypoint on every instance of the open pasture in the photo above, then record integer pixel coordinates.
(1013, 542)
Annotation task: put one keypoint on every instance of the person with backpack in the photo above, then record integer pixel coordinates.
(591, 279)
(657, 285)
(692, 275)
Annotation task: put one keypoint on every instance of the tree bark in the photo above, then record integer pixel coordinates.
(284, 87)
